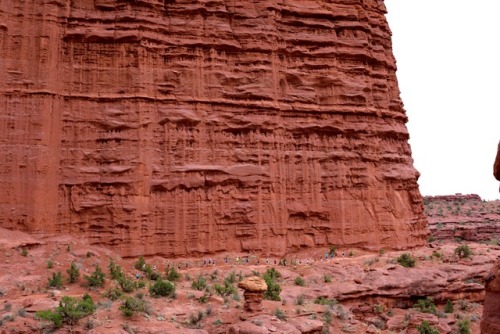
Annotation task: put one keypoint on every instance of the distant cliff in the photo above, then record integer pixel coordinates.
(190, 127)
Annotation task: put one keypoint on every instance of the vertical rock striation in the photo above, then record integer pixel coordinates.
(491, 311)
(182, 127)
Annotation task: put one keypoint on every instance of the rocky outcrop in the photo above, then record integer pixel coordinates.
(496, 165)
(491, 311)
(253, 288)
(465, 217)
(188, 127)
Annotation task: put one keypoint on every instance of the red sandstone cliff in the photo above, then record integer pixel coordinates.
(491, 312)
(185, 127)
(496, 165)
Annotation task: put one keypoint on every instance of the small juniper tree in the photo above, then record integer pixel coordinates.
(73, 273)
(55, 281)
(97, 278)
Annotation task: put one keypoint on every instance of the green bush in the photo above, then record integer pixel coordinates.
(139, 265)
(115, 271)
(172, 275)
(199, 283)
(406, 260)
(327, 278)
(426, 305)
(225, 290)
(300, 300)
(50, 264)
(73, 273)
(280, 314)
(273, 288)
(463, 251)
(127, 284)
(24, 252)
(162, 289)
(464, 326)
(97, 278)
(130, 305)
(426, 328)
(113, 294)
(69, 311)
(322, 300)
(299, 281)
(448, 308)
(55, 281)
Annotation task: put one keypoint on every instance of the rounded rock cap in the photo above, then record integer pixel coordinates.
(253, 284)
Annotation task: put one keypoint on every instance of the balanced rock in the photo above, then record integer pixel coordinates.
(254, 288)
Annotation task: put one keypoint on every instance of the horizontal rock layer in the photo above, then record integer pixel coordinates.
(189, 127)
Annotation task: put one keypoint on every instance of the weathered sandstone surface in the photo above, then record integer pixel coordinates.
(463, 217)
(189, 127)
(491, 311)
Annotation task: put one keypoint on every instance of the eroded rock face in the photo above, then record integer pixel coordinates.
(491, 311)
(496, 165)
(181, 128)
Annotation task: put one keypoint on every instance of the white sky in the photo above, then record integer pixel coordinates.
(448, 58)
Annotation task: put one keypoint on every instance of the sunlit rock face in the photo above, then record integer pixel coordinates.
(188, 127)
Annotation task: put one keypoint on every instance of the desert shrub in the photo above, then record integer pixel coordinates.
(131, 305)
(327, 316)
(225, 290)
(113, 294)
(327, 278)
(24, 252)
(280, 314)
(426, 305)
(69, 311)
(151, 273)
(127, 284)
(299, 281)
(406, 260)
(448, 307)
(162, 288)
(203, 299)
(273, 288)
(50, 264)
(115, 271)
(172, 275)
(426, 328)
(378, 309)
(97, 278)
(463, 251)
(463, 326)
(139, 265)
(199, 283)
(73, 273)
(300, 300)
(231, 278)
(322, 300)
(464, 305)
(21, 312)
(193, 320)
(55, 281)
(437, 254)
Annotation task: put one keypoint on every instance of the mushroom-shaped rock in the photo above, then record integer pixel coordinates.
(254, 288)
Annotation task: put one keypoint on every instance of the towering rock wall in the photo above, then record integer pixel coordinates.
(181, 127)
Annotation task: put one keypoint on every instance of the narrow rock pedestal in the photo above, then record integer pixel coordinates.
(254, 288)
